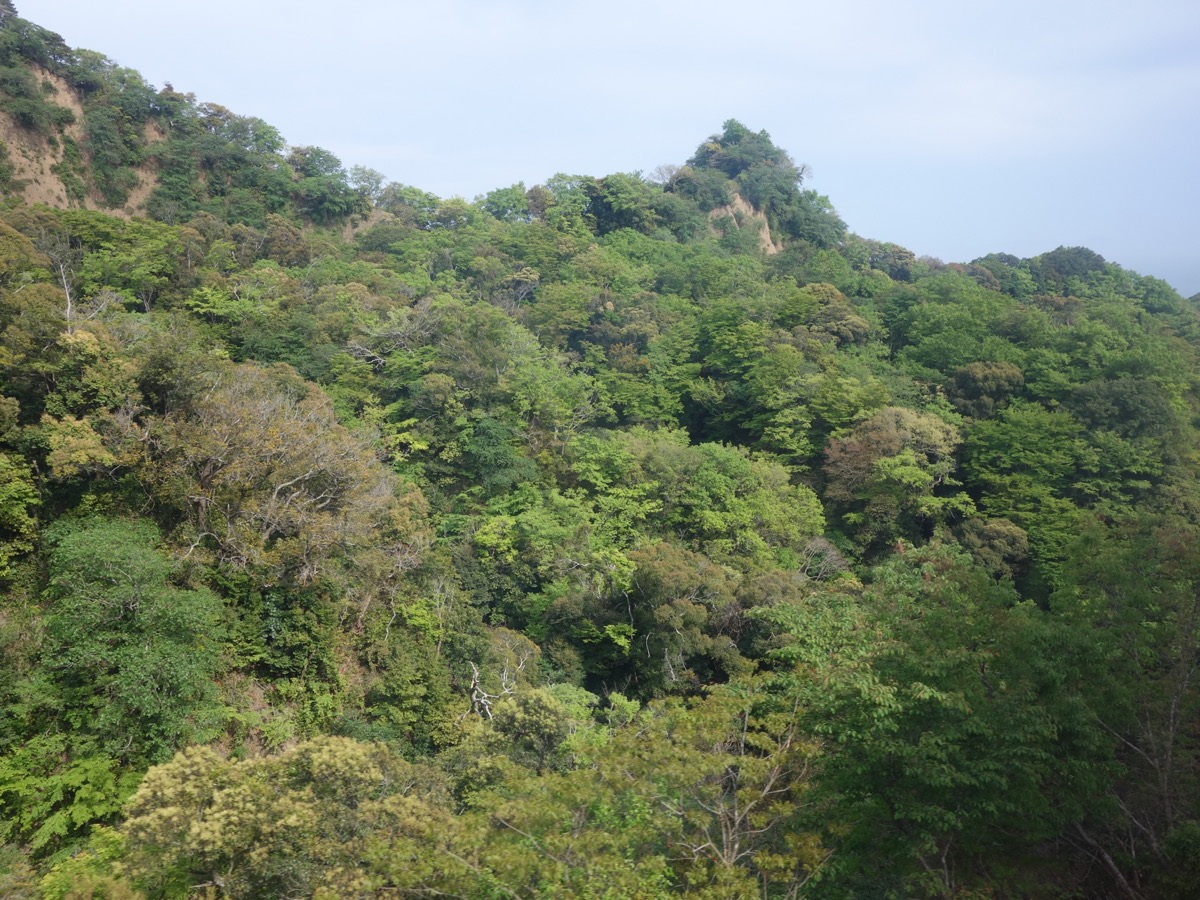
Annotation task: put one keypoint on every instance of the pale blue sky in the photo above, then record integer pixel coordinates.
(953, 128)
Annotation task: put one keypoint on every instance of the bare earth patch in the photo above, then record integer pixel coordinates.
(744, 215)
(33, 157)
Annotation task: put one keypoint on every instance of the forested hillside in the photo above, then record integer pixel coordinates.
(613, 537)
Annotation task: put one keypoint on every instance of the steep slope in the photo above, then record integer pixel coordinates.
(49, 168)
(79, 131)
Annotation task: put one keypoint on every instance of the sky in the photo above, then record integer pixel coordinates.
(952, 128)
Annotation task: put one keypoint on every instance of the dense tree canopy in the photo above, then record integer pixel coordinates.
(615, 536)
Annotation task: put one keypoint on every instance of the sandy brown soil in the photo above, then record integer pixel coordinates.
(33, 157)
(742, 212)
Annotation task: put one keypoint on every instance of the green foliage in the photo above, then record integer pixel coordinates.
(23, 40)
(707, 188)
(1130, 586)
(22, 98)
(508, 204)
(765, 176)
(1033, 465)
(17, 499)
(132, 655)
(8, 183)
(942, 702)
(125, 677)
(114, 136)
(458, 479)
(71, 171)
(892, 476)
(621, 201)
(48, 802)
(265, 477)
(296, 822)
(979, 388)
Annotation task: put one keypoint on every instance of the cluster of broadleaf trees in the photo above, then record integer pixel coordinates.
(578, 541)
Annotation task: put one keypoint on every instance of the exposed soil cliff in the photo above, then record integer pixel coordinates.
(742, 215)
(42, 168)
